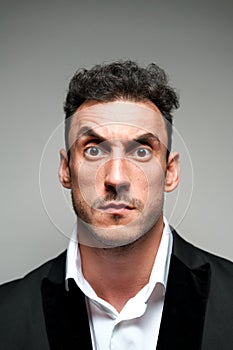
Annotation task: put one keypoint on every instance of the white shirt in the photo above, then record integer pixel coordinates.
(136, 327)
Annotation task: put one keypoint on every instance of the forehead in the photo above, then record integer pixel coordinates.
(118, 120)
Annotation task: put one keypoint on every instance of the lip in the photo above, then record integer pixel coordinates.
(116, 208)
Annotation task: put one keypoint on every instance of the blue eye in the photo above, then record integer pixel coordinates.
(93, 152)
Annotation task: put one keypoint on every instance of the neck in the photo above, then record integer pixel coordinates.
(118, 274)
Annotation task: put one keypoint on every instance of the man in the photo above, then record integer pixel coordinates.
(127, 279)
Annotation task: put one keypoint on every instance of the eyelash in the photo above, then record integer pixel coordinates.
(92, 147)
(130, 152)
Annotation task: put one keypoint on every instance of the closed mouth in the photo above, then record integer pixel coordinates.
(114, 207)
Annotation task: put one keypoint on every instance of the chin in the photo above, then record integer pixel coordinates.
(109, 236)
(116, 233)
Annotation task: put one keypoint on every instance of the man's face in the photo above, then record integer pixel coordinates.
(117, 170)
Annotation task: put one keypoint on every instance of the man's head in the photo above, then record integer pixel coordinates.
(122, 80)
(117, 137)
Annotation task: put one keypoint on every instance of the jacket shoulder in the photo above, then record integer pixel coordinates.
(213, 275)
(22, 324)
(31, 280)
(194, 256)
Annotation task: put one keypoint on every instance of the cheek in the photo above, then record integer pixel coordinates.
(147, 180)
(140, 185)
(85, 180)
(155, 180)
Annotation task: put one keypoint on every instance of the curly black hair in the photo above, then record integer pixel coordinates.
(121, 80)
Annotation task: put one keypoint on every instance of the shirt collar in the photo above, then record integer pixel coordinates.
(159, 272)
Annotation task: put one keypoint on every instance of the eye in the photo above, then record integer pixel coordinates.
(93, 152)
(142, 153)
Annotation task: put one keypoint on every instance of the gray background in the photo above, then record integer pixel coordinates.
(43, 43)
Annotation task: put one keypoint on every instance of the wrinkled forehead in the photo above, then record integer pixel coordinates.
(118, 120)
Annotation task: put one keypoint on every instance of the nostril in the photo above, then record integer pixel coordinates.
(117, 188)
(122, 187)
(111, 188)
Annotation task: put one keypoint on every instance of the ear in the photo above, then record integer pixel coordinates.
(64, 171)
(173, 172)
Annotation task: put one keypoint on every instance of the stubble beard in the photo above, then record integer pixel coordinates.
(100, 237)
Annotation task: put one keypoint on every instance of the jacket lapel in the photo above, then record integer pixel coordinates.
(65, 313)
(184, 307)
(183, 313)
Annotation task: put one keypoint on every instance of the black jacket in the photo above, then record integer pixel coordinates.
(37, 313)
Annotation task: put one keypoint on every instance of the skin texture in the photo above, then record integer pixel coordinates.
(117, 174)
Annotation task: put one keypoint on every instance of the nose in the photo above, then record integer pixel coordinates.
(116, 177)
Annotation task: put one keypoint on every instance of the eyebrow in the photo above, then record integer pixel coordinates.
(144, 138)
(147, 137)
(87, 132)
